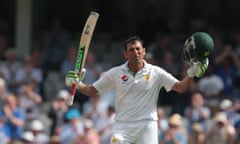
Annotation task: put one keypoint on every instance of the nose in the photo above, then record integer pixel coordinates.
(136, 51)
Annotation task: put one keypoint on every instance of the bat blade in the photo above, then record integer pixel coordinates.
(84, 44)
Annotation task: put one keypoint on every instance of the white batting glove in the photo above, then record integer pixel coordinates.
(73, 77)
(197, 69)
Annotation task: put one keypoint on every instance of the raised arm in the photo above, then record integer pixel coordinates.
(72, 77)
(196, 69)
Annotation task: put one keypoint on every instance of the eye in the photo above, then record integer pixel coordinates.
(131, 49)
(138, 48)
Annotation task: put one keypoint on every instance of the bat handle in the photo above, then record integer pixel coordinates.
(72, 93)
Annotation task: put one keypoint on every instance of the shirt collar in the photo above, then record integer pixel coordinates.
(144, 69)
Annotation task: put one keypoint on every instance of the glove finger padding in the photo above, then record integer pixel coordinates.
(74, 77)
(71, 78)
(198, 69)
(203, 68)
(72, 74)
(193, 69)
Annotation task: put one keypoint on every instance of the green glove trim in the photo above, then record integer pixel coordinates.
(72, 74)
(203, 67)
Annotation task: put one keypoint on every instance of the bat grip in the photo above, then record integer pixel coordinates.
(72, 93)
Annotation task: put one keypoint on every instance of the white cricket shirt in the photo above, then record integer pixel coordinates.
(136, 96)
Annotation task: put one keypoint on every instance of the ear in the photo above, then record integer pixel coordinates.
(125, 54)
(144, 51)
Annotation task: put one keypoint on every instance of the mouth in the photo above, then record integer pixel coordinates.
(138, 59)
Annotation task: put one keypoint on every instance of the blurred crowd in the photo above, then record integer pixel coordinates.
(33, 96)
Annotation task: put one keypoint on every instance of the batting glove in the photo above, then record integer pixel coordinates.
(197, 69)
(73, 77)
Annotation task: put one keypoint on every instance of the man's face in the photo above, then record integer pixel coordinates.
(135, 52)
(197, 100)
(220, 124)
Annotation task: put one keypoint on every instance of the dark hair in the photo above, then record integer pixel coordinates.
(131, 40)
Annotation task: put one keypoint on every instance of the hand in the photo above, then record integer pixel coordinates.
(169, 135)
(27, 90)
(73, 77)
(198, 69)
(7, 111)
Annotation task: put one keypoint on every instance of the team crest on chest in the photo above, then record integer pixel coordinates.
(147, 77)
(124, 78)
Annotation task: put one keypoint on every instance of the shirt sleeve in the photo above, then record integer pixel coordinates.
(167, 80)
(104, 83)
(19, 114)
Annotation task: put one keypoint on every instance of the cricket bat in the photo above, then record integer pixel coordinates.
(85, 40)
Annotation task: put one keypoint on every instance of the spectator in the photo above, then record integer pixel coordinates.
(29, 74)
(236, 59)
(212, 88)
(221, 131)
(104, 126)
(181, 101)
(73, 129)
(93, 69)
(55, 45)
(226, 68)
(13, 116)
(2, 92)
(9, 68)
(27, 138)
(4, 131)
(169, 64)
(94, 109)
(163, 42)
(69, 62)
(37, 128)
(36, 55)
(55, 140)
(162, 121)
(175, 133)
(227, 107)
(90, 135)
(197, 136)
(29, 102)
(237, 128)
(197, 112)
(57, 111)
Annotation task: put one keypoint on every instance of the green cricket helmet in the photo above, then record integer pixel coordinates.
(197, 47)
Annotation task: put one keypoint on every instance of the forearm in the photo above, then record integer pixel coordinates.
(183, 85)
(87, 90)
(16, 121)
(36, 98)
